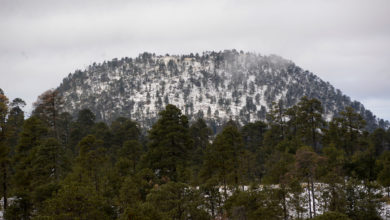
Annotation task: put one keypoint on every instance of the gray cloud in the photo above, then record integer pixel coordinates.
(344, 42)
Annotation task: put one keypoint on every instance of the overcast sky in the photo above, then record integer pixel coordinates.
(345, 42)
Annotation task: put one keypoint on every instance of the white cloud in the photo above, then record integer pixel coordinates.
(345, 42)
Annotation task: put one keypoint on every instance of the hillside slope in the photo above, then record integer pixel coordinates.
(215, 85)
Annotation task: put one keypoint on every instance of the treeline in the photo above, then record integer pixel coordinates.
(295, 166)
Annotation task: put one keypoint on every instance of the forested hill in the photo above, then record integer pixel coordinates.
(217, 86)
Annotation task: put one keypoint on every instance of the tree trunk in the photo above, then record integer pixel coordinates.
(308, 192)
(284, 204)
(314, 198)
(212, 205)
(4, 185)
(224, 189)
(314, 139)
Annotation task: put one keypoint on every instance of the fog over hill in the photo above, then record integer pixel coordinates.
(217, 86)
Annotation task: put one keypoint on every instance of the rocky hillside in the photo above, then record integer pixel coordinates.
(215, 85)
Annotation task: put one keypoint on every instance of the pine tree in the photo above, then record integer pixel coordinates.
(332, 173)
(11, 122)
(122, 130)
(47, 108)
(169, 144)
(81, 128)
(24, 181)
(201, 135)
(277, 125)
(223, 159)
(306, 162)
(310, 121)
(91, 162)
(129, 157)
(74, 201)
(178, 201)
(4, 148)
(346, 131)
(384, 174)
(280, 170)
(50, 161)
(252, 134)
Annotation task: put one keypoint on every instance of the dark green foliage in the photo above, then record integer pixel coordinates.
(80, 128)
(47, 108)
(50, 161)
(362, 201)
(177, 201)
(91, 162)
(86, 118)
(169, 144)
(331, 173)
(310, 121)
(74, 201)
(380, 141)
(124, 129)
(144, 211)
(263, 170)
(332, 216)
(129, 158)
(346, 131)
(254, 205)
(223, 159)
(201, 135)
(20, 209)
(252, 135)
(384, 174)
(31, 138)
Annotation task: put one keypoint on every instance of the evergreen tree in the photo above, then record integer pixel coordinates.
(24, 181)
(11, 122)
(346, 131)
(280, 170)
(4, 148)
(379, 140)
(277, 125)
(223, 159)
(130, 155)
(177, 200)
(169, 144)
(64, 129)
(384, 174)
(81, 128)
(310, 121)
(254, 204)
(306, 162)
(331, 172)
(201, 135)
(252, 135)
(74, 201)
(47, 108)
(91, 162)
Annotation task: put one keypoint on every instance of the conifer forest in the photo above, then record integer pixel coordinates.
(296, 164)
